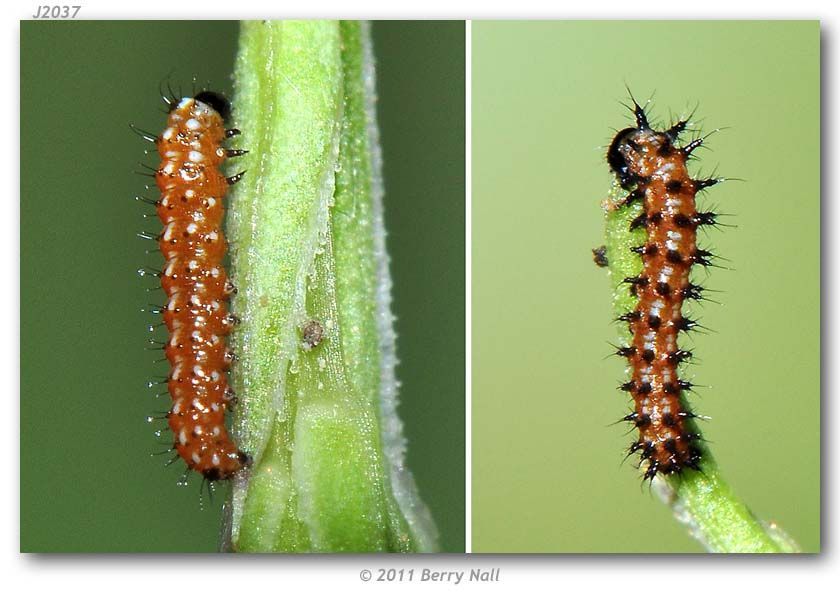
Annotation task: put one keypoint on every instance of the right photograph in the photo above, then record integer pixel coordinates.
(646, 287)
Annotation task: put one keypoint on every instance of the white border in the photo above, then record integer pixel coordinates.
(107, 576)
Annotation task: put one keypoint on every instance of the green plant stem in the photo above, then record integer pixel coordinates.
(702, 501)
(307, 244)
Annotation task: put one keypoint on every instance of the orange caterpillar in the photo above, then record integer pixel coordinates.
(191, 208)
(652, 168)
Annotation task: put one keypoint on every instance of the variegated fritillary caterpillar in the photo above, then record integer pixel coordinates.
(652, 169)
(191, 208)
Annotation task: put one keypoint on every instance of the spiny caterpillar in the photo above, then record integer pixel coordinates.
(651, 167)
(191, 208)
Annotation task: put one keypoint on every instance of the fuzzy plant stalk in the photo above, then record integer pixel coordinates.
(315, 373)
(701, 500)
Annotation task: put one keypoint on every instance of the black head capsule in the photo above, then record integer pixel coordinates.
(216, 101)
(617, 160)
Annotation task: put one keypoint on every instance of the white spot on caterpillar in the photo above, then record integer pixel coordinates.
(667, 272)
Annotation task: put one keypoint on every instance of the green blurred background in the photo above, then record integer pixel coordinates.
(546, 465)
(87, 481)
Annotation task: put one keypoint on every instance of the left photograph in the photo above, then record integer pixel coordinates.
(242, 286)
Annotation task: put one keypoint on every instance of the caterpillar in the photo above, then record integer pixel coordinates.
(191, 209)
(652, 169)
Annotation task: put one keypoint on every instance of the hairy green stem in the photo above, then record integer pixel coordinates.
(702, 500)
(316, 375)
